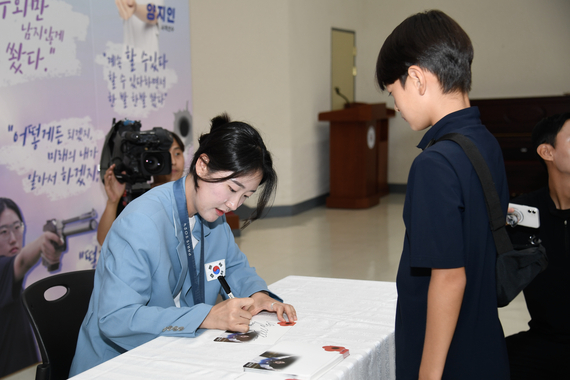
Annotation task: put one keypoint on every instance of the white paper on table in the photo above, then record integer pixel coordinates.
(264, 328)
(297, 360)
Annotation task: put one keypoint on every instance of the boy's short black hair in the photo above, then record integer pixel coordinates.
(433, 41)
(546, 130)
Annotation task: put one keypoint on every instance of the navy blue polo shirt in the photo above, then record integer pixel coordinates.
(447, 227)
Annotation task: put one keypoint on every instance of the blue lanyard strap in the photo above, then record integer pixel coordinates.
(195, 277)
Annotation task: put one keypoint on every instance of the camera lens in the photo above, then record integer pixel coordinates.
(152, 164)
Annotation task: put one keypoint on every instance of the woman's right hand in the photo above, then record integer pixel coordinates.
(231, 315)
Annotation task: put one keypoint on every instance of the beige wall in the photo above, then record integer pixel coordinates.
(268, 62)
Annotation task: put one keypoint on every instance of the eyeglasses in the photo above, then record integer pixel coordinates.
(17, 228)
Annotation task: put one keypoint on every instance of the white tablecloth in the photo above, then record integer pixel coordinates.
(358, 315)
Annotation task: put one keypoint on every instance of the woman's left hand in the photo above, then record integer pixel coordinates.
(263, 302)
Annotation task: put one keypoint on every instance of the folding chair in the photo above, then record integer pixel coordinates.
(56, 322)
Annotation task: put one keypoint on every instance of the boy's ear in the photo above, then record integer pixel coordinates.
(417, 75)
(545, 151)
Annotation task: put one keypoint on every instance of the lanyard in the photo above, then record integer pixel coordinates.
(195, 277)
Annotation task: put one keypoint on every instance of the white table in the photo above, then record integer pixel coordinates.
(356, 314)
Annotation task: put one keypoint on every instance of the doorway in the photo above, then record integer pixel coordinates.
(343, 67)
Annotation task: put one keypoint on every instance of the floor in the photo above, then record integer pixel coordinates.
(358, 244)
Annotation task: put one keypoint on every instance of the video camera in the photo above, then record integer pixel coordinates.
(139, 154)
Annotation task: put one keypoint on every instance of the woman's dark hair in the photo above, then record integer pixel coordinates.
(546, 130)
(238, 148)
(7, 203)
(433, 41)
(178, 140)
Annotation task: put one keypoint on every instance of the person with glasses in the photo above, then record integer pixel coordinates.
(16, 337)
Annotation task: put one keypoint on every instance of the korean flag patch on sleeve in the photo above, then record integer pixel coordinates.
(215, 269)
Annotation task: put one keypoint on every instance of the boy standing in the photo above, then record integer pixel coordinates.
(447, 323)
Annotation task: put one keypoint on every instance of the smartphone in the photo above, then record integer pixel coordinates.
(523, 216)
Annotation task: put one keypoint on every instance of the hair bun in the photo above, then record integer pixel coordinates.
(220, 120)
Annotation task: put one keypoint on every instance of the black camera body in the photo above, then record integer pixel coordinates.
(137, 155)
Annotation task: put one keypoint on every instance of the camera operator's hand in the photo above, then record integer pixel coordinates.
(115, 191)
(231, 315)
(113, 187)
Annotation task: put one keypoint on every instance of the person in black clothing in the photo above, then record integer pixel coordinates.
(17, 345)
(543, 352)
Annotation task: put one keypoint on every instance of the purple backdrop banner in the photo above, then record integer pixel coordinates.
(67, 68)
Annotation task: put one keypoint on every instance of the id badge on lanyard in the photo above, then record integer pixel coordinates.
(197, 278)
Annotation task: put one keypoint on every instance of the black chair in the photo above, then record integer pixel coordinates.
(56, 322)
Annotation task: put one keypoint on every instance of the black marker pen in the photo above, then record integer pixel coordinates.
(225, 286)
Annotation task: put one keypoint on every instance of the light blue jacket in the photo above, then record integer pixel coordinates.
(142, 267)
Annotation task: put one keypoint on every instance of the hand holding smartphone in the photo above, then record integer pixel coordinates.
(522, 215)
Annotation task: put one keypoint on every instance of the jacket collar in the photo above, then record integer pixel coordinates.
(449, 123)
(200, 223)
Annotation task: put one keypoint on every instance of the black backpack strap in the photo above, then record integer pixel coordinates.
(496, 216)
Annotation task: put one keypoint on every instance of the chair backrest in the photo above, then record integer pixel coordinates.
(56, 322)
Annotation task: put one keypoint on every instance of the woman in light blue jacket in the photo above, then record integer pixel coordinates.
(158, 269)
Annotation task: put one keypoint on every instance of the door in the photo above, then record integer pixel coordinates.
(343, 67)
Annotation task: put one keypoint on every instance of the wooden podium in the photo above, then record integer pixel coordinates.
(358, 155)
